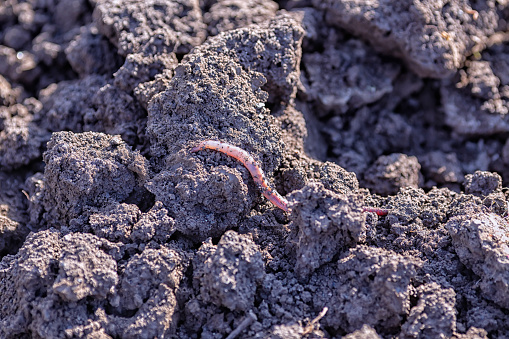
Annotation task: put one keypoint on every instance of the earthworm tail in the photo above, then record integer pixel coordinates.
(378, 211)
(249, 162)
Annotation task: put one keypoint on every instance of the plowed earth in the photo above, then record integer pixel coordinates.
(110, 227)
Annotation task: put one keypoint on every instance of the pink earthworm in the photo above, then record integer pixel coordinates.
(252, 166)
(257, 173)
(378, 211)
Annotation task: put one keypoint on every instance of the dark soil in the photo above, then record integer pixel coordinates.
(110, 227)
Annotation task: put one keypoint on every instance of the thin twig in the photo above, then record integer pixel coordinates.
(311, 326)
(251, 318)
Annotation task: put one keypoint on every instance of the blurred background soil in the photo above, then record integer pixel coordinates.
(111, 228)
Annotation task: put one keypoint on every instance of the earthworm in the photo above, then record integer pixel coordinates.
(378, 211)
(252, 166)
(257, 173)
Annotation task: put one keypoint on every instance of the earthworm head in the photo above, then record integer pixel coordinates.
(196, 148)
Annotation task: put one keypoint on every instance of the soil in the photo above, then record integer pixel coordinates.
(110, 227)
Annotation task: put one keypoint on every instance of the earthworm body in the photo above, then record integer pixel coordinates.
(257, 173)
(249, 162)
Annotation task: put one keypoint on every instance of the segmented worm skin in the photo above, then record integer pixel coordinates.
(249, 162)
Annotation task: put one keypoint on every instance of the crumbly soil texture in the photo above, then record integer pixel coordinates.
(111, 227)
